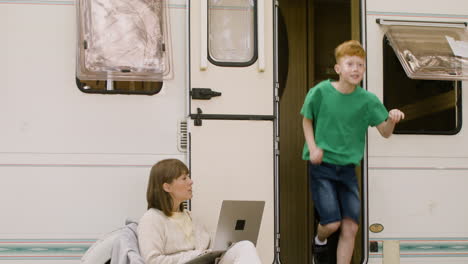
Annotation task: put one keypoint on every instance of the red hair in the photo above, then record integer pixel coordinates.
(349, 48)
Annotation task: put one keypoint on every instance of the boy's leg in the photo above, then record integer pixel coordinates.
(324, 231)
(325, 197)
(348, 192)
(345, 249)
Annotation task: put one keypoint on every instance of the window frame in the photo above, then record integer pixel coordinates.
(234, 64)
(82, 87)
(458, 90)
(459, 28)
(84, 76)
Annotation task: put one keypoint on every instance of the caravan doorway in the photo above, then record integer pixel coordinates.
(308, 33)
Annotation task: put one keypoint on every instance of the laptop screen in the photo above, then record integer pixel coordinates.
(238, 221)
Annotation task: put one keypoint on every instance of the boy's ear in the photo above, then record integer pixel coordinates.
(337, 68)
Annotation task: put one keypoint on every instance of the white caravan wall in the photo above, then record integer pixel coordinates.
(73, 166)
(417, 183)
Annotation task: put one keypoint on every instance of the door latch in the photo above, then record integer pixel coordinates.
(197, 120)
(203, 93)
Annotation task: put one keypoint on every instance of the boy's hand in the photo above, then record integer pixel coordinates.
(316, 155)
(395, 116)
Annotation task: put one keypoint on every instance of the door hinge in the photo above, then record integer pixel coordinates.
(277, 150)
(277, 243)
(277, 92)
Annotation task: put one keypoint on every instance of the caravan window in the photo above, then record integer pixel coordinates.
(123, 46)
(119, 87)
(430, 106)
(424, 63)
(232, 32)
(429, 50)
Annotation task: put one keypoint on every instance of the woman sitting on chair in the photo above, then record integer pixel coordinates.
(167, 234)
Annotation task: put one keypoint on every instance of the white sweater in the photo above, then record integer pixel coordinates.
(163, 241)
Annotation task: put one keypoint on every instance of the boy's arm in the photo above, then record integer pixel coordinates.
(386, 127)
(316, 153)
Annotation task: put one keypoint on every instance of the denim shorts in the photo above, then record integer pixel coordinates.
(335, 192)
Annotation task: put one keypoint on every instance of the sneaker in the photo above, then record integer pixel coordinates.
(320, 254)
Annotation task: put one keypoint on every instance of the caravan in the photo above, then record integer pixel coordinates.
(83, 121)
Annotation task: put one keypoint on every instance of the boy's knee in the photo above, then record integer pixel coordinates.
(332, 227)
(349, 227)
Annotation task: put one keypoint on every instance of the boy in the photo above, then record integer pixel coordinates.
(336, 115)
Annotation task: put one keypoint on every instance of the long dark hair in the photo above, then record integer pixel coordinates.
(165, 171)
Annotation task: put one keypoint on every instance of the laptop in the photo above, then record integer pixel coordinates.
(238, 221)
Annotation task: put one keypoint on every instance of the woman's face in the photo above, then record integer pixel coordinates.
(180, 189)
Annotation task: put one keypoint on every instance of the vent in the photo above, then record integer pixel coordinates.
(182, 136)
(186, 205)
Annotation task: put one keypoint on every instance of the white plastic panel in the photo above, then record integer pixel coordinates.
(406, 204)
(421, 8)
(74, 166)
(46, 113)
(414, 180)
(233, 160)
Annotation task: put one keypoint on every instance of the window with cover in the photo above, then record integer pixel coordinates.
(232, 31)
(423, 68)
(123, 46)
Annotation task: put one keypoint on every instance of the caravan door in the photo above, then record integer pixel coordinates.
(232, 110)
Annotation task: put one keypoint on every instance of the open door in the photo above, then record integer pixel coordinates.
(232, 131)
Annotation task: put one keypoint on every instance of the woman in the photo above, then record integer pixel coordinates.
(167, 234)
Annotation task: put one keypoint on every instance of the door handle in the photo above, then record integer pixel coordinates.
(203, 93)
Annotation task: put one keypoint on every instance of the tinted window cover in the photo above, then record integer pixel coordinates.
(430, 50)
(121, 40)
(232, 31)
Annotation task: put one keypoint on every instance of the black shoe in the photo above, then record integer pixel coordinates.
(320, 254)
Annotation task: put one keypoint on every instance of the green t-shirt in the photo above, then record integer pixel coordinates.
(340, 121)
